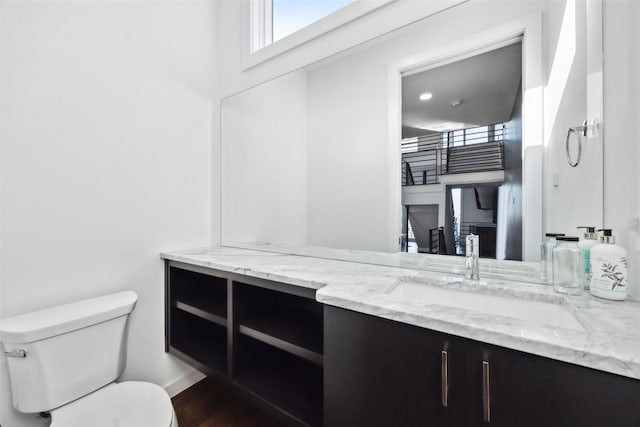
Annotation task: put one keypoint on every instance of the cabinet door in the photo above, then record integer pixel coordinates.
(384, 373)
(590, 398)
(527, 390)
(507, 388)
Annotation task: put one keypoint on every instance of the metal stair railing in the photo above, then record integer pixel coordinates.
(428, 157)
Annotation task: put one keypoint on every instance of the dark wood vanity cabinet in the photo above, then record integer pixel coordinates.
(321, 365)
(380, 373)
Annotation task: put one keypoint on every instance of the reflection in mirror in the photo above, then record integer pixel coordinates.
(313, 158)
(462, 155)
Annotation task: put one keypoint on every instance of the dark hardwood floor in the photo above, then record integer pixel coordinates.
(211, 403)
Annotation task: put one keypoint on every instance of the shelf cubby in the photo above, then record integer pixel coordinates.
(288, 322)
(200, 340)
(290, 383)
(199, 294)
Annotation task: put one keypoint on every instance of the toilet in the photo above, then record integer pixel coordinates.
(65, 360)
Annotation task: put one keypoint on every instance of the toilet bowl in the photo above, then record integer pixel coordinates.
(125, 404)
(65, 360)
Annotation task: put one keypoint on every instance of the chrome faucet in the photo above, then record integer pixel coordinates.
(472, 265)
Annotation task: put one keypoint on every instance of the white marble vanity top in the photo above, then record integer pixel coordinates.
(516, 270)
(606, 335)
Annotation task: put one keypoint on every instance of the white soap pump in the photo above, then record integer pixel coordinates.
(608, 268)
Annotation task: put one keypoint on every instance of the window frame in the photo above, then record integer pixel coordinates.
(257, 28)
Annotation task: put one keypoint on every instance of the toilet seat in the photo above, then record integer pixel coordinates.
(125, 404)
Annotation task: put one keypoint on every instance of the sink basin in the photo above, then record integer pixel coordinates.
(479, 300)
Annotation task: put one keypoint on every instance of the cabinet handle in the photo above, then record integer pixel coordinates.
(486, 393)
(445, 379)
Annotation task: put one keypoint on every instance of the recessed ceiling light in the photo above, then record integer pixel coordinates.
(426, 96)
(443, 126)
(455, 102)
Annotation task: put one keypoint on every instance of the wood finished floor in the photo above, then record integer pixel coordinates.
(210, 403)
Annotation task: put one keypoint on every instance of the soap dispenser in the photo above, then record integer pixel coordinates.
(589, 240)
(608, 268)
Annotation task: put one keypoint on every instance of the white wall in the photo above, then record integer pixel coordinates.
(577, 199)
(469, 211)
(426, 195)
(423, 218)
(265, 162)
(347, 149)
(622, 115)
(107, 134)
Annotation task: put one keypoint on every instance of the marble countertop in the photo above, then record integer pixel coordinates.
(608, 336)
(512, 270)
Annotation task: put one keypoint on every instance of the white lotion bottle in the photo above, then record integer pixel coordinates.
(608, 268)
(589, 240)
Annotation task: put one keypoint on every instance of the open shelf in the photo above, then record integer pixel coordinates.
(200, 313)
(199, 339)
(199, 294)
(288, 382)
(289, 322)
(287, 332)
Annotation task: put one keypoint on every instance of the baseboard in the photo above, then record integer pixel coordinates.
(183, 382)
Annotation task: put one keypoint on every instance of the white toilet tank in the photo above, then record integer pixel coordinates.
(70, 350)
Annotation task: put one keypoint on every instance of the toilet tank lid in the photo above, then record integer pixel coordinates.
(50, 322)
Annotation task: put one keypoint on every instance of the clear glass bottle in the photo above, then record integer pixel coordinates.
(590, 240)
(546, 256)
(568, 266)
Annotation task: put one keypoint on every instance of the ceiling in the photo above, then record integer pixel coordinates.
(487, 84)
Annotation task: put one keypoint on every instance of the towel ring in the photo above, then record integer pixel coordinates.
(576, 131)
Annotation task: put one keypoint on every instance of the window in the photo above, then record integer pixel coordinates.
(289, 16)
(272, 27)
(263, 40)
(273, 20)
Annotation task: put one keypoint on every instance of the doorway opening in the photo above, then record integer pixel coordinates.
(461, 155)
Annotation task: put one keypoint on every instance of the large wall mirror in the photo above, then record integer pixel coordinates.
(455, 124)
